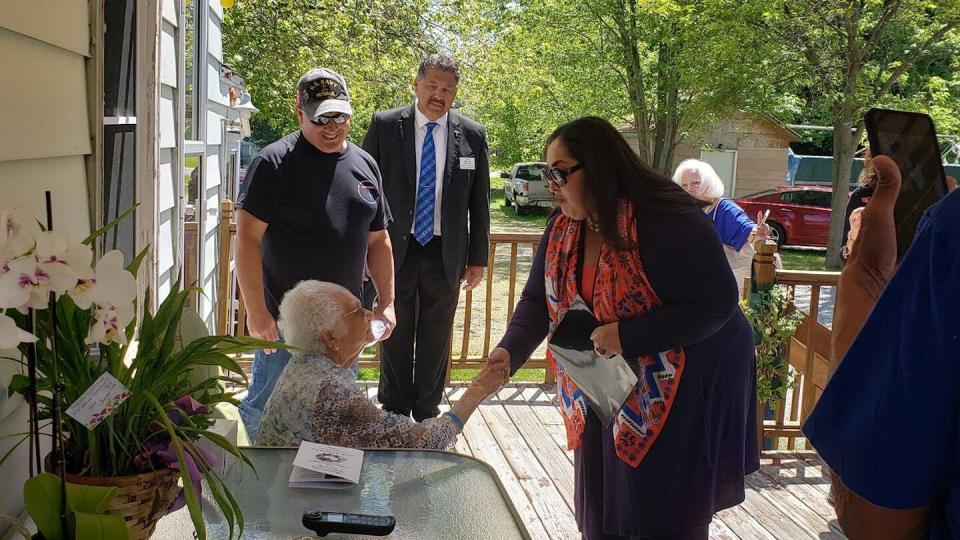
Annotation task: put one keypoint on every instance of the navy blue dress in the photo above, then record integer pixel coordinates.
(709, 443)
(888, 422)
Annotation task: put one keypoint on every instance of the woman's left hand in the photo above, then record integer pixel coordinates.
(606, 339)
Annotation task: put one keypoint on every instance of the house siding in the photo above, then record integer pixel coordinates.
(43, 146)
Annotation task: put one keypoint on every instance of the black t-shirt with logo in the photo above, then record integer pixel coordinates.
(318, 208)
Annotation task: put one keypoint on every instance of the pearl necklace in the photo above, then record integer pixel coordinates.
(593, 225)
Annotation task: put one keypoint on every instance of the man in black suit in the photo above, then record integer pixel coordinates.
(436, 179)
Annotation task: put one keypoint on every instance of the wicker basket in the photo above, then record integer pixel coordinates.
(141, 500)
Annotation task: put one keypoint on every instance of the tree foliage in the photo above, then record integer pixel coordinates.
(374, 44)
(665, 69)
(856, 55)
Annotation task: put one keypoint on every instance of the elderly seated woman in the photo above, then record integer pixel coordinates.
(317, 397)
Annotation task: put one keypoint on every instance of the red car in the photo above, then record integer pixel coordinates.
(799, 215)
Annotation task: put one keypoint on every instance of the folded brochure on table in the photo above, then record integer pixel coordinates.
(325, 466)
(606, 382)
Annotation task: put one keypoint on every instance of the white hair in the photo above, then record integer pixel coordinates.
(711, 186)
(308, 310)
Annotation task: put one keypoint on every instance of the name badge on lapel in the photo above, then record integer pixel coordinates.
(468, 164)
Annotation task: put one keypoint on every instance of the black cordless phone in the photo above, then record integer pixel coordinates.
(324, 523)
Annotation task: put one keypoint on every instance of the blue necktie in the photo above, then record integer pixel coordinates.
(426, 189)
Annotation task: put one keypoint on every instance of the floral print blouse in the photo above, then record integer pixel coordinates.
(317, 401)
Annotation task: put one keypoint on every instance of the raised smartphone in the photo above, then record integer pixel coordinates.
(911, 141)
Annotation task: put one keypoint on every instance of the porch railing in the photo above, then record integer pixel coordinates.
(494, 300)
(808, 351)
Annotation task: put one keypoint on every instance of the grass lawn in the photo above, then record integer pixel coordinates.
(504, 218)
(803, 259)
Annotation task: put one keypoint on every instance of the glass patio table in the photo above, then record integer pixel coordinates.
(431, 494)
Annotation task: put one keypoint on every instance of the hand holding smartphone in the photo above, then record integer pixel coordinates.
(911, 141)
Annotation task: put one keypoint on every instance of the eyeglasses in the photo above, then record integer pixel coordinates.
(558, 177)
(358, 309)
(336, 119)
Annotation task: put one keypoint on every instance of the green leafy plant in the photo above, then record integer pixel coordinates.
(85, 505)
(172, 390)
(774, 320)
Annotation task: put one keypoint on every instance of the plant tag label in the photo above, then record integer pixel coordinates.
(99, 401)
(468, 163)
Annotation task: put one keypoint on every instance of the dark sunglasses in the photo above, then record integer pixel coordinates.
(558, 177)
(337, 119)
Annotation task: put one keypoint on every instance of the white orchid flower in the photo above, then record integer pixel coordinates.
(67, 264)
(11, 335)
(113, 291)
(82, 292)
(110, 324)
(25, 284)
(112, 283)
(55, 265)
(16, 236)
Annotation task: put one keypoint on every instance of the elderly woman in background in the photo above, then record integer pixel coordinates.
(317, 397)
(633, 246)
(736, 230)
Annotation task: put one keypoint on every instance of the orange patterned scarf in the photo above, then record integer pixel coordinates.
(621, 292)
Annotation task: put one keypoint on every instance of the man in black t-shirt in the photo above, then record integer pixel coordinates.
(311, 208)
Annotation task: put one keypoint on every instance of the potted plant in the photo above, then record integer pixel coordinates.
(774, 319)
(76, 323)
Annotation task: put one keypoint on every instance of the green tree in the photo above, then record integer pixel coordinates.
(854, 55)
(665, 67)
(375, 44)
(523, 85)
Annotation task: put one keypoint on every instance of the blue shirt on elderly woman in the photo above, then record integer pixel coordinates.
(732, 223)
(888, 422)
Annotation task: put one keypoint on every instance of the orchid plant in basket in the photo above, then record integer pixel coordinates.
(78, 321)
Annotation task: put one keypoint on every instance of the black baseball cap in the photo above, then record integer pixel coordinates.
(321, 91)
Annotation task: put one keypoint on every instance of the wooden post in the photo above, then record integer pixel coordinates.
(446, 380)
(765, 273)
(488, 307)
(809, 399)
(224, 281)
(242, 315)
(764, 270)
(512, 290)
(191, 239)
(467, 320)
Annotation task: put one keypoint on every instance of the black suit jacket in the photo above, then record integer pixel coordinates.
(465, 203)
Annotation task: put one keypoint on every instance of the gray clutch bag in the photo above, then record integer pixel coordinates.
(606, 382)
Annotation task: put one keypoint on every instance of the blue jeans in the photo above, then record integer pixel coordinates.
(266, 372)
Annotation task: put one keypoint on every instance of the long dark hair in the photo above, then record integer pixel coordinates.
(612, 170)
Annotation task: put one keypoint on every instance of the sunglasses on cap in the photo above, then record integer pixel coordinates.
(558, 177)
(336, 119)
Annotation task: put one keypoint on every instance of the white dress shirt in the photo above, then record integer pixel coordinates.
(440, 146)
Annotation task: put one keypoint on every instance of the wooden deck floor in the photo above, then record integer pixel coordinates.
(519, 432)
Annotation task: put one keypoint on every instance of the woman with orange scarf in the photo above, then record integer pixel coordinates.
(647, 260)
